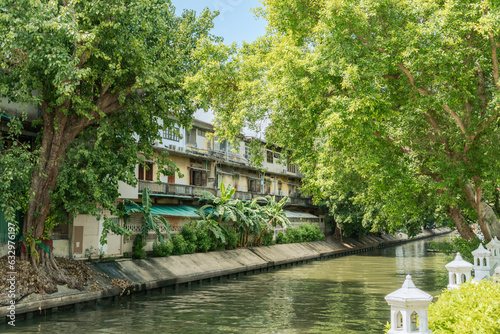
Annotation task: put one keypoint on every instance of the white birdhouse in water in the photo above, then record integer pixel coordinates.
(409, 309)
(459, 271)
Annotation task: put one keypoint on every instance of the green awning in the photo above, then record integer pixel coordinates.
(173, 210)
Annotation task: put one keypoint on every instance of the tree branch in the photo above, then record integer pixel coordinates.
(456, 118)
(422, 91)
(494, 58)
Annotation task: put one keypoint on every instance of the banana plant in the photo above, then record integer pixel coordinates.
(150, 221)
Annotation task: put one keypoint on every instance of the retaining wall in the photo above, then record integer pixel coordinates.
(157, 275)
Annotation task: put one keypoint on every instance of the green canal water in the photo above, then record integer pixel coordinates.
(341, 295)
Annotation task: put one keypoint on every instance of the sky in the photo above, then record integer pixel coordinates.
(235, 23)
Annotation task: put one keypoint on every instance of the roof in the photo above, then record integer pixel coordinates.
(494, 243)
(408, 294)
(173, 210)
(481, 251)
(299, 214)
(458, 264)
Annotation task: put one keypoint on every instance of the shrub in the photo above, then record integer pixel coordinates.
(231, 238)
(294, 234)
(311, 232)
(471, 308)
(162, 249)
(282, 238)
(267, 238)
(189, 233)
(138, 248)
(179, 245)
(203, 240)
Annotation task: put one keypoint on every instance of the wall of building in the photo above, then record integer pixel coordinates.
(19, 109)
(86, 233)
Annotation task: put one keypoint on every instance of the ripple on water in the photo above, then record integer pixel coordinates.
(341, 295)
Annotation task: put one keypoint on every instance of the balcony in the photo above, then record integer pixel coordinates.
(181, 190)
(294, 199)
(173, 189)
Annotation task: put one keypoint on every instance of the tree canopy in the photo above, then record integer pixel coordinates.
(107, 76)
(396, 101)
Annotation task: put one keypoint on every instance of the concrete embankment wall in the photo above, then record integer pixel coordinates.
(157, 275)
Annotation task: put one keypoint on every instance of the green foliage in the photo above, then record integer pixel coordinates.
(179, 245)
(203, 240)
(162, 249)
(471, 308)
(294, 234)
(282, 238)
(460, 245)
(138, 246)
(231, 238)
(17, 163)
(189, 234)
(150, 221)
(188, 231)
(89, 253)
(116, 228)
(249, 218)
(103, 74)
(267, 239)
(378, 101)
(302, 233)
(311, 232)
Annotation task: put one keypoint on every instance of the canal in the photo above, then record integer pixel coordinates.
(341, 295)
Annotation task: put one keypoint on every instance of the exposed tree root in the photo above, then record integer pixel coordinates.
(43, 278)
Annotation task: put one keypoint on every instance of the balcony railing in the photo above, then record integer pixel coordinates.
(192, 191)
(173, 189)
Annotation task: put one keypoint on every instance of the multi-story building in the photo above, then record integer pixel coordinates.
(204, 162)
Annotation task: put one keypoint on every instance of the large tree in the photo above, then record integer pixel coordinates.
(103, 73)
(402, 94)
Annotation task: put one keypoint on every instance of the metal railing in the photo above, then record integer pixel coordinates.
(193, 191)
(173, 189)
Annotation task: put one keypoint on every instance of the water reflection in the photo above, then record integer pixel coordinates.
(343, 295)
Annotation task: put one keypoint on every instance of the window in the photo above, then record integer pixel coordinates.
(221, 146)
(171, 134)
(146, 171)
(399, 321)
(202, 133)
(291, 168)
(267, 186)
(198, 178)
(414, 321)
(191, 137)
(254, 185)
(270, 157)
(247, 152)
(171, 178)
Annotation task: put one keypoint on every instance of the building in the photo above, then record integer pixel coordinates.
(203, 162)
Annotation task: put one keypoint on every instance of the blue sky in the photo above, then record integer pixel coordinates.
(235, 22)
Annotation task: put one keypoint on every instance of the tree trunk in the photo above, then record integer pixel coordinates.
(462, 227)
(55, 140)
(486, 217)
